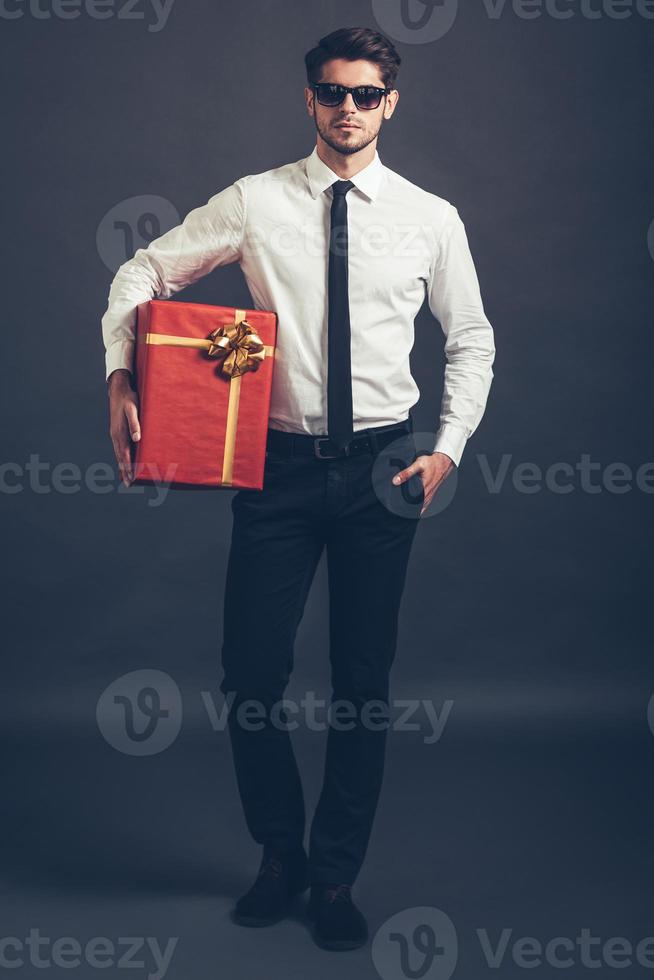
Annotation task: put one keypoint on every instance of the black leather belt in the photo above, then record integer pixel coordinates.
(370, 440)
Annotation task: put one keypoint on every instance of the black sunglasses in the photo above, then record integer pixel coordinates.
(365, 96)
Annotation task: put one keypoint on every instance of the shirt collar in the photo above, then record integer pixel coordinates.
(320, 176)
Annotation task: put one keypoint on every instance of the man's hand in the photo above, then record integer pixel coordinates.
(432, 469)
(124, 427)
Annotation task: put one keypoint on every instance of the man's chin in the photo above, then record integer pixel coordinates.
(347, 135)
(344, 143)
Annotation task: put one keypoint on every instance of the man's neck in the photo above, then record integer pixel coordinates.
(346, 165)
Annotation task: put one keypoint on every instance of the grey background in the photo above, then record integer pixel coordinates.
(529, 611)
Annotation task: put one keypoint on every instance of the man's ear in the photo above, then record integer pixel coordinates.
(391, 101)
(309, 95)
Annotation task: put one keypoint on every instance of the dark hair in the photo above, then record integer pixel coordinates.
(354, 43)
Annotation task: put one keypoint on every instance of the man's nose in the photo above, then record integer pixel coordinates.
(348, 104)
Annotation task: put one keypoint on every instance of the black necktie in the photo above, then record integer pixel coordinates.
(339, 369)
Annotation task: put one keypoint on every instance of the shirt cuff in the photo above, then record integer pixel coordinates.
(120, 354)
(451, 440)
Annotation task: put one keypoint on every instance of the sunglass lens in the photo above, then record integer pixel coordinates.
(367, 98)
(330, 95)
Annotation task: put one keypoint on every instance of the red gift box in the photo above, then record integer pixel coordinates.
(204, 379)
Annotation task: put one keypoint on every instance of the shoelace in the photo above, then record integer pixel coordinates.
(341, 893)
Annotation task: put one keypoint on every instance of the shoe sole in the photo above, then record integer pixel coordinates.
(256, 922)
(334, 945)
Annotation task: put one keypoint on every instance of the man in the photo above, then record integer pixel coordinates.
(345, 250)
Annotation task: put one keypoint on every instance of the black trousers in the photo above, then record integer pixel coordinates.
(278, 536)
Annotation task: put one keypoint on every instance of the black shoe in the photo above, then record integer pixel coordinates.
(281, 877)
(337, 922)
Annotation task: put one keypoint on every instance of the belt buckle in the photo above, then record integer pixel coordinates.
(316, 448)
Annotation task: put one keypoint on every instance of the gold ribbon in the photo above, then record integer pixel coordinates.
(239, 349)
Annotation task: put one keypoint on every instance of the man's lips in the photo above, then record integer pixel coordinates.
(347, 126)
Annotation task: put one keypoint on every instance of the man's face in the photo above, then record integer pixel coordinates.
(345, 128)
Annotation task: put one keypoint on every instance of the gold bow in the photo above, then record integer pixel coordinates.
(238, 347)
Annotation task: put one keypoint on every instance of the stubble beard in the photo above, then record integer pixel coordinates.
(347, 149)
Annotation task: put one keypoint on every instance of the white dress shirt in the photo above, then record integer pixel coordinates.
(404, 243)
